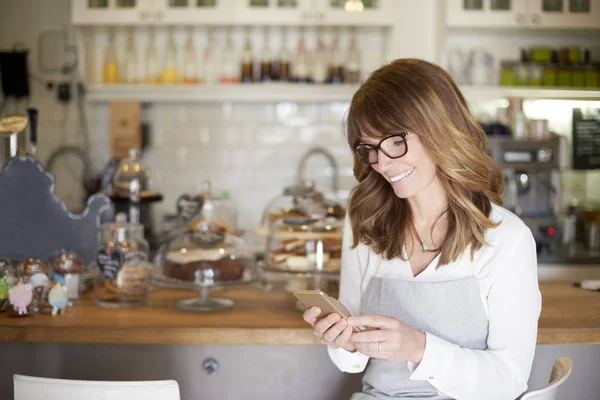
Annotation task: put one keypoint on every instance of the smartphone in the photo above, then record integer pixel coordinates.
(327, 304)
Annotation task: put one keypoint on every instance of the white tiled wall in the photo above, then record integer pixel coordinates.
(252, 151)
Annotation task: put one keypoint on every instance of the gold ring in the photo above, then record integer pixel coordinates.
(379, 347)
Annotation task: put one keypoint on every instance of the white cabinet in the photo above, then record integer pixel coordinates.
(316, 12)
(116, 12)
(269, 12)
(564, 13)
(571, 14)
(486, 13)
(140, 12)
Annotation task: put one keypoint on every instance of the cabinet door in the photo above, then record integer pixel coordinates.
(579, 14)
(204, 12)
(486, 13)
(114, 12)
(355, 12)
(272, 12)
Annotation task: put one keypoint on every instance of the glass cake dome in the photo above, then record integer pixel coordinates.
(204, 255)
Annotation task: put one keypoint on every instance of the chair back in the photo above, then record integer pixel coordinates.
(34, 388)
(561, 370)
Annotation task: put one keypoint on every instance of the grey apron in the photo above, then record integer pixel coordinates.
(451, 310)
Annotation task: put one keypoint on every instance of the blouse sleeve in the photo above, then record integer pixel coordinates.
(354, 264)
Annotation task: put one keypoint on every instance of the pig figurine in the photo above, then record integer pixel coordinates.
(20, 297)
(58, 298)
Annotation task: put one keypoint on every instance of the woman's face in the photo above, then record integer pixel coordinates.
(410, 174)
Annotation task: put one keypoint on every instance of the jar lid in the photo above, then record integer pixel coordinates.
(67, 262)
(33, 266)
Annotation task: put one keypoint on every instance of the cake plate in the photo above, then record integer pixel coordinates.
(205, 302)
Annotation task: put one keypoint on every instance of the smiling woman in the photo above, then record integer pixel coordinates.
(443, 276)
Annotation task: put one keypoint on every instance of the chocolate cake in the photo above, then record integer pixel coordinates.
(194, 265)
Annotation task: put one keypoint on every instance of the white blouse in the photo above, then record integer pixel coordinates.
(507, 273)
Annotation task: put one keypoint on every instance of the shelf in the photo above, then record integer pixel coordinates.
(482, 93)
(302, 93)
(213, 93)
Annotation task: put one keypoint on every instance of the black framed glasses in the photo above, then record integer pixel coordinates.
(393, 146)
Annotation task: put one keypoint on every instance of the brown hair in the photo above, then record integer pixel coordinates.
(419, 97)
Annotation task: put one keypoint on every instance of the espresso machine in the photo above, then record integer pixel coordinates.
(531, 170)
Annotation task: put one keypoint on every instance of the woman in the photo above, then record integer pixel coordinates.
(443, 277)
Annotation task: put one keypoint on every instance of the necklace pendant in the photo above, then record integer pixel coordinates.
(424, 247)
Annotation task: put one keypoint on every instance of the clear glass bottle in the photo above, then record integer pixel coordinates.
(110, 70)
(352, 71)
(170, 72)
(319, 66)
(190, 68)
(123, 269)
(282, 69)
(210, 62)
(302, 64)
(230, 72)
(130, 74)
(152, 70)
(336, 70)
(265, 59)
(247, 71)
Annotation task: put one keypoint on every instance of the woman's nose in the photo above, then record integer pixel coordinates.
(383, 160)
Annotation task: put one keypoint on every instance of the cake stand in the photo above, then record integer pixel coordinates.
(205, 302)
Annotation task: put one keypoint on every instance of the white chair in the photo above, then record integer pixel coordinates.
(560, 372)
(34, 388)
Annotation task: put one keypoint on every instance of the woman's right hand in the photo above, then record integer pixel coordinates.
(333, 330)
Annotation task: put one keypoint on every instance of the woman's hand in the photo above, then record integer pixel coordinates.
(333, 330)
(391, 339)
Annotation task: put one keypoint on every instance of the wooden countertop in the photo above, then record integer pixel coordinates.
(569, 316)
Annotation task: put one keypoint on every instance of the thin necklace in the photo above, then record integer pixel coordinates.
(424, 247)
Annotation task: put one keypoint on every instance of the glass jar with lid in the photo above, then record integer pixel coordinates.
(37, 273)
(132, 177)
(8, 269)
(68, 268)
(124, 270)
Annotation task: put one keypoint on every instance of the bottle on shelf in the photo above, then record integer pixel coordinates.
(265, 59)
(190, 65)
(590, 72)
(551, 70)
(110, 70)
(170, 72)
(230, 72)
(518, 120)
(564, 68)
(130, 73)
(352, 72)
(336, 71)
(302, 64)
(319, 65)
(521, 69)
(152, 71)
(247, 71)
(211, 63)
(280, 70)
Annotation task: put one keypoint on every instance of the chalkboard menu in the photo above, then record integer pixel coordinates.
(586, 138)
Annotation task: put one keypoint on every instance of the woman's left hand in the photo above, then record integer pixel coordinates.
(387, 338)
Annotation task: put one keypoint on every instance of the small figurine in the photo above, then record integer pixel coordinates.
(20, 297)
(58, 298)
